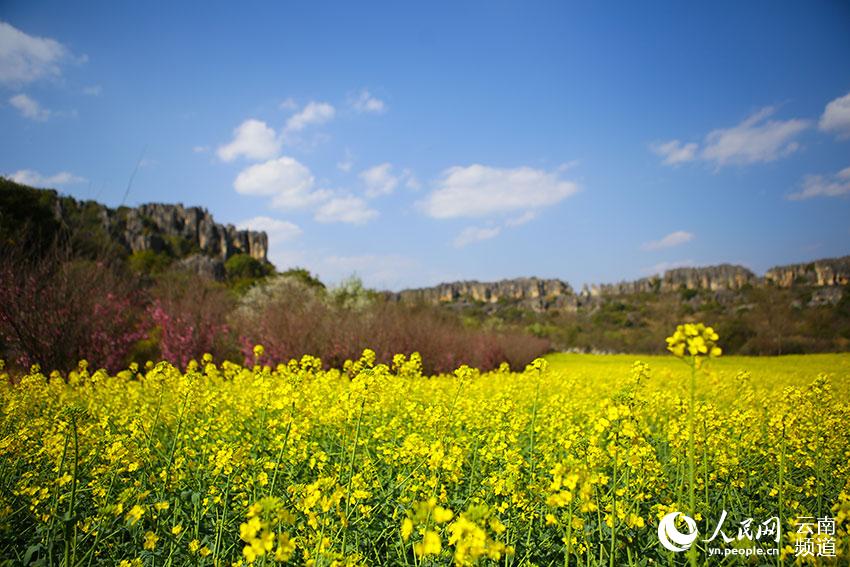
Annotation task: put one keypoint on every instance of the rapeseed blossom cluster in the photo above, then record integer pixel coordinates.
(694, 339)
(564, 462)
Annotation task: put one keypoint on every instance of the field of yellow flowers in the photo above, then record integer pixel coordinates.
(571, 461)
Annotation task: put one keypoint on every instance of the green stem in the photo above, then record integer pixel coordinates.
(70, 523)
(56, 501)
(705, 469)
(351, 475)
(781, 481)
(613, 507)
(531, 460)
(280, 455)
(175, 440)
(692, 552)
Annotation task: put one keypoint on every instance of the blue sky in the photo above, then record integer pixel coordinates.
(418, 143)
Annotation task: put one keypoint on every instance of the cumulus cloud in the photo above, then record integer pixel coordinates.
(522, 219)
(252, 139)
(313, 113)
(25, 58)
(29, 108)
(379, 180)
(673, 239)
(366, 103)
(36, 179)
(410, 180)
(675, 151)
(288, 104)
(347, 209)
(836, 117)
(479, 190)
(473, 234)
(289, 183)
(837, 185)
(756, 139)
(277, 230)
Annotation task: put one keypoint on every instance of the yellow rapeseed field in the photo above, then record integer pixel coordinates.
(571, 461)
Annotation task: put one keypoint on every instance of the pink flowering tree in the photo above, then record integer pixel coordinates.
(191, 316)
(56, 311)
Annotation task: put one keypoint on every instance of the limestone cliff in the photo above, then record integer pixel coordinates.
(825, 272)
(713, 278)
(552, 294)
(160, 227)
(533, 293)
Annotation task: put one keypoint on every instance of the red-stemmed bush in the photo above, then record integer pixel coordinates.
(56, 310)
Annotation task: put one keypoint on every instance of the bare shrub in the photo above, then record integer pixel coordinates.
(56, 310)
(290, 319)
(191, 314)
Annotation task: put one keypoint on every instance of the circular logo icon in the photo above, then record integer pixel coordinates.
(671, 538)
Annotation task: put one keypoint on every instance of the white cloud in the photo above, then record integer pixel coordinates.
(675, 152)
(479, 190)
(473, 234)
(410, 180)
(36, 179)
(25, 58)
(352, 210)
(379, 180)
(289, 183)
(277, 230)
(837, 185)
(673, 239)
(524, 218)
(29, 108)
(252, 139)
(201, 149)
(836, 117)
(661, 267)
(365, 102)
(567, 166)
(288, 104)
(93, 90)
(756, 139)
(313, 113)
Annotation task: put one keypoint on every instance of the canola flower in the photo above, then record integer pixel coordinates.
(693, 342)
(566, 462)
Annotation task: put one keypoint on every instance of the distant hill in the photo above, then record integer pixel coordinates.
(794, 308)
(553, 294)
(149, 234)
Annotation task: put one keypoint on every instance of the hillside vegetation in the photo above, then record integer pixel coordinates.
(81, 280)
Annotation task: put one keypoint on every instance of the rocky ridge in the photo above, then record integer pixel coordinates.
(189, 231)
(533, 293)
(825, 272)
(553, 294)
